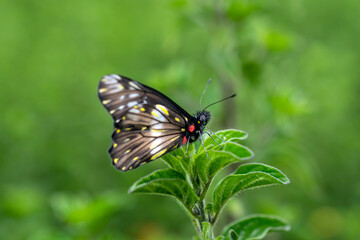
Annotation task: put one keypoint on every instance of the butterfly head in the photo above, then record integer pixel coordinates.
(202, 118)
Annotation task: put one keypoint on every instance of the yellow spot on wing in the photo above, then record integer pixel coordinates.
(123, 168)
(127, 151)
(162, 108)
(142, 109)
(117, 131)
(127, 129)
(115, 145)
(116, 160)
(142, 163)
(134, 85)
(143, 128)
(154, 144)
(174, 138)
(186, 119)
(183, 129)
(154, 114)
(123, 117)
(198, 122)
(158, 154)
(106, 101)
(135, 106)
(135, 158)
(158, 130)
(177, 119)
(112, 111)
(101, 90)
(120, 86)
(130, 167)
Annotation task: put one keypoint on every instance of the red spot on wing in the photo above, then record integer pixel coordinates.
(191, 128)
(184, 140)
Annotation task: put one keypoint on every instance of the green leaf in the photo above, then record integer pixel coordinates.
(237, 149)
(246, 177)
(209, 209)
(233, 235)
(180, 152)
(166, 182)
(184, 158)
(206, 168)
(220, 238)
(207, 232)
(255, 227)
(260, 167)
(175, 163)
(228, 135)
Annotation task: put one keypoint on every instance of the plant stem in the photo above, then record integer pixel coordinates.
(202, 217)
(197, 227)
(202, 210)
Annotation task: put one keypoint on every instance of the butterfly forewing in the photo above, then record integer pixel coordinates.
(147, 123)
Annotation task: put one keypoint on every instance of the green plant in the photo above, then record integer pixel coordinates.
(189, 177)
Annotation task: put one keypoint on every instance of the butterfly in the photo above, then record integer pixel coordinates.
(147, 124)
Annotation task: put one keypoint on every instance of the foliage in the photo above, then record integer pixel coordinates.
(190, 175)
(293, 65)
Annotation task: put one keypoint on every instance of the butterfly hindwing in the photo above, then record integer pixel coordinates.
(147, 123)
(139, 149)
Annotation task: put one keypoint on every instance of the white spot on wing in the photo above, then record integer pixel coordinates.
(131, 104)
(109, 80)
(158, 115)
(156, 150)
(114, 90)
(134, 95)
(134, 110)
(156, 133)
(115, 76)
(158, 126)
(162, 109)
(134, 85)
(155, 143)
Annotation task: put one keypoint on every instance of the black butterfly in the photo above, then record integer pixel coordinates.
(147, 123)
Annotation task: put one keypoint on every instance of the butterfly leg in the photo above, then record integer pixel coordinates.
(215, 140)
(202, 143)
(215, 134)
(187, 146)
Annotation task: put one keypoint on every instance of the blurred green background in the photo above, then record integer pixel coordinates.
(293, 64)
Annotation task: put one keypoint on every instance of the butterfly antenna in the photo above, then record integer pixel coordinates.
(209, 81)
(234, 95)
